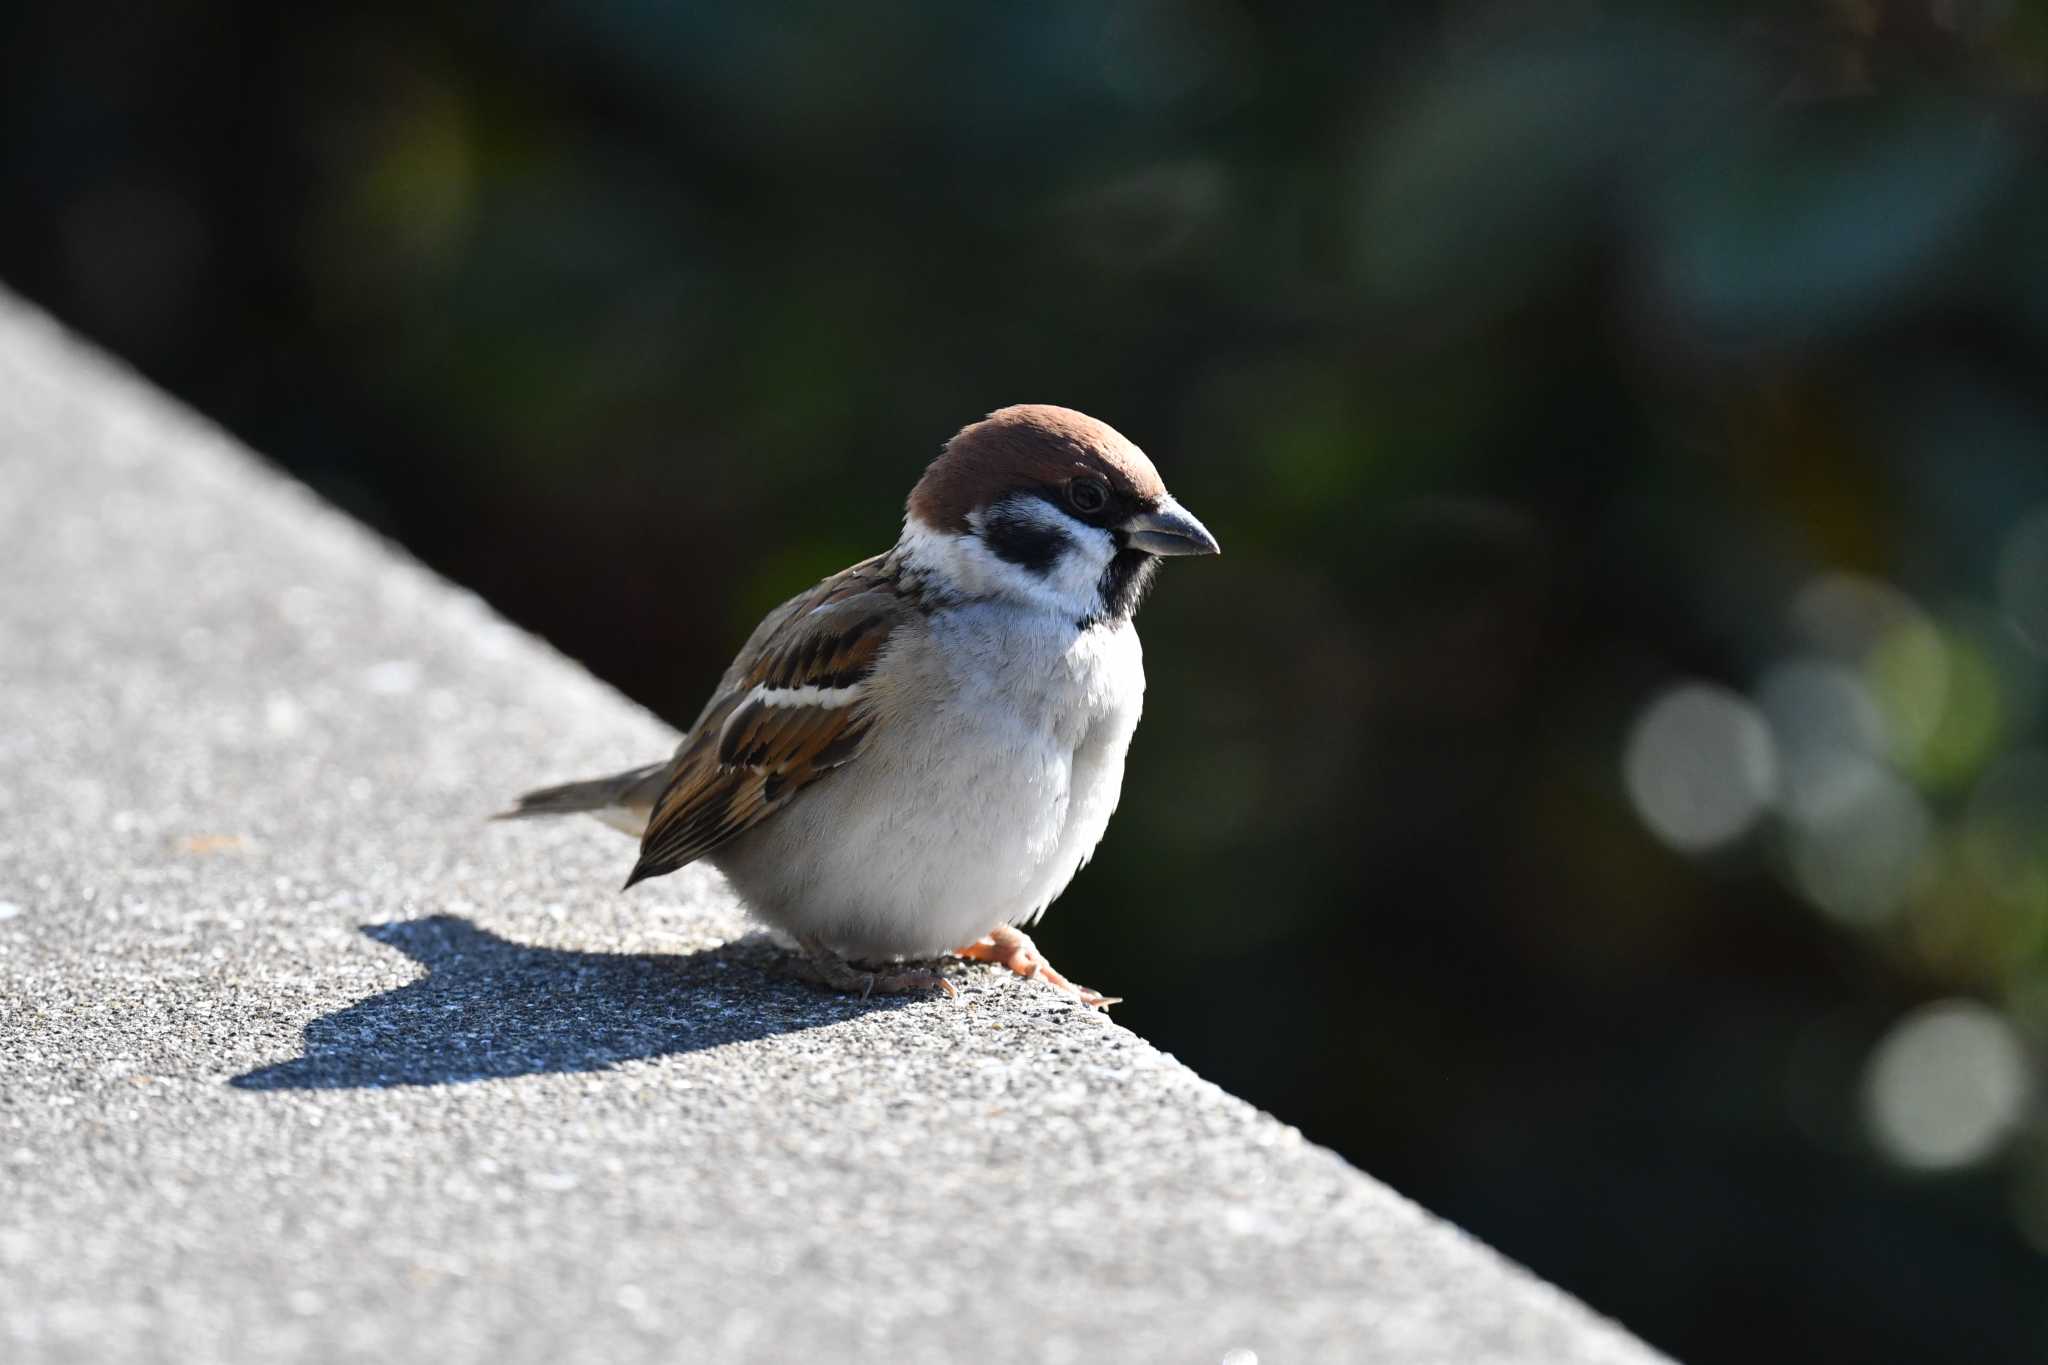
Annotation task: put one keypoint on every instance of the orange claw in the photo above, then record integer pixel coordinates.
(1009, 946)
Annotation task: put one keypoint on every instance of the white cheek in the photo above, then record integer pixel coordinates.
(1076, 576)
(1071, 587)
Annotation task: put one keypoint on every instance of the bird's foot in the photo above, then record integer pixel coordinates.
(821, 966)
(1011, 947)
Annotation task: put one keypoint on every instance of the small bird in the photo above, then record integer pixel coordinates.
(915, 756)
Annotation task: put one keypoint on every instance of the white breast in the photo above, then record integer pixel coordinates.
(991, 772)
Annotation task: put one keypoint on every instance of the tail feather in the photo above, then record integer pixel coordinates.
(626, 794)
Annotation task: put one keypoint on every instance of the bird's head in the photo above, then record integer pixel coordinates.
(1051, 507)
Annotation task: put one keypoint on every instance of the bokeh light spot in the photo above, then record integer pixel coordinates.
(1942, 701)
(1858, 836)
(1945, 1086)
(1700, 767)
(1908, 671)
(1827, 727)
(1812, 704)
(1846, 615)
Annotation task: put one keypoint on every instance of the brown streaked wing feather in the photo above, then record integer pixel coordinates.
(743, 759)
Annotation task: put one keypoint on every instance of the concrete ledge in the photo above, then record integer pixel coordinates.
(300, 1060)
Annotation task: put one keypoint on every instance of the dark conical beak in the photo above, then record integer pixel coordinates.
(1169, 529)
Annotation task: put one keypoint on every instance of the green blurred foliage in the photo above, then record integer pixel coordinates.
(1535, 364)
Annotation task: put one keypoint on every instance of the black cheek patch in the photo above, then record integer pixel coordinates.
(1027, 543)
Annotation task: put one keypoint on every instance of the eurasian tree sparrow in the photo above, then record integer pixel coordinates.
(920, 752)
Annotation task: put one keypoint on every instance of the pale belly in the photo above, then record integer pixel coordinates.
(915, 849)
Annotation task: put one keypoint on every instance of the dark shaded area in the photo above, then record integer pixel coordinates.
(1601, 789)
(490, 1008)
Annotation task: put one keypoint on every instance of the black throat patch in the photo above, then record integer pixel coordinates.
(1125, 581)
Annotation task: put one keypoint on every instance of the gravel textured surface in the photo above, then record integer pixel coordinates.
(300, 1059)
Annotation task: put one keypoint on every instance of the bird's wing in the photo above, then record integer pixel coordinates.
(793, 706)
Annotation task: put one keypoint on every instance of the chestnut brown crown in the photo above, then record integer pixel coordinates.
(1029, 445)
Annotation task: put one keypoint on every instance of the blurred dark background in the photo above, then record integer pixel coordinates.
(1601, 790)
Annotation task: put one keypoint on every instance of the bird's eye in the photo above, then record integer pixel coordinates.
(1087, 496)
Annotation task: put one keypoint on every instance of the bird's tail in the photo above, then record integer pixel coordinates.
(622, 800)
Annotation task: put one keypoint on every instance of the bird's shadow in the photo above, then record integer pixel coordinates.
(488, 1007)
